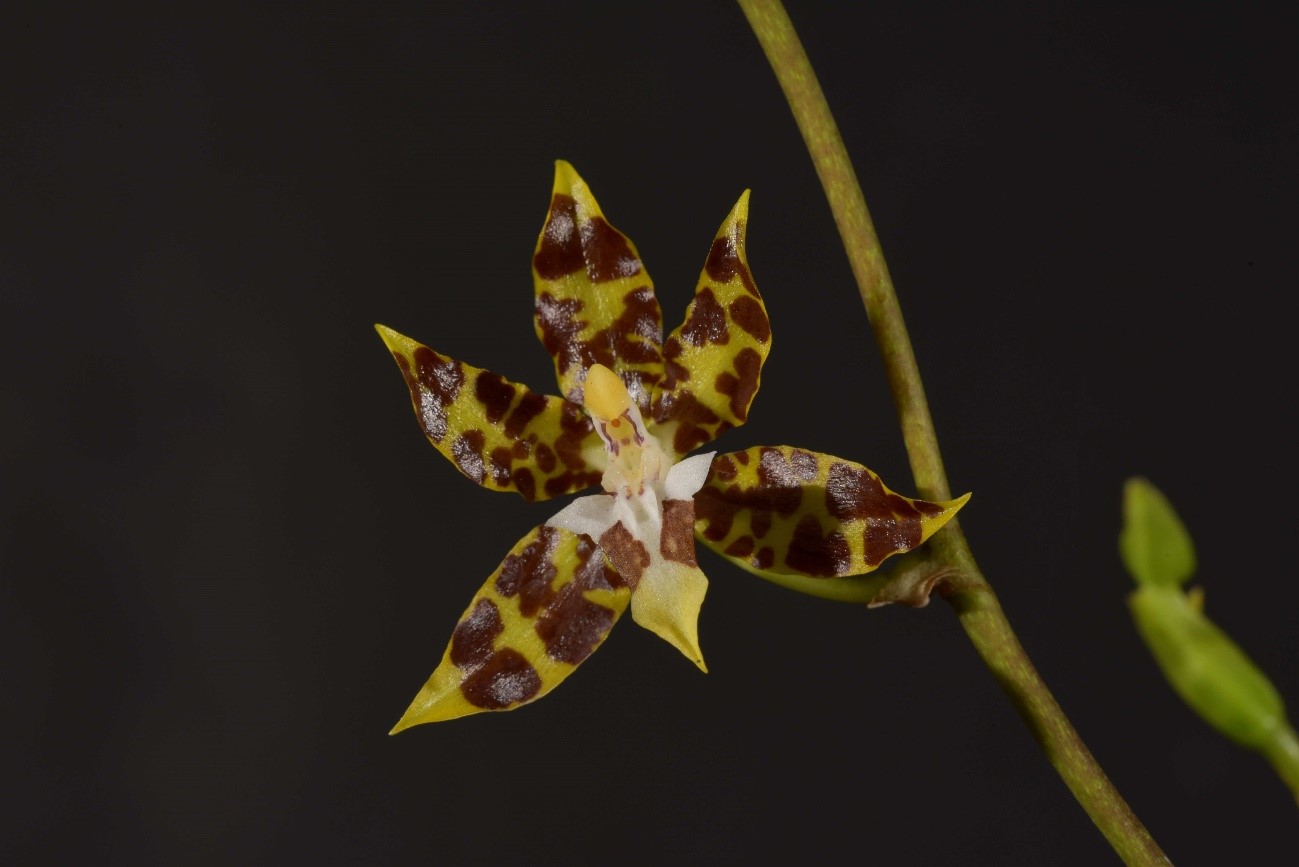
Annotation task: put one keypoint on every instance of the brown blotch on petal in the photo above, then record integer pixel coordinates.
(570, 481)
(406, 373)
(673, 371)
(494, 393)
(505, 679)
(440, 375)
(627, 553)
(467, 451)
(723, 468)
(724, 263)
(530, 406)
(741, 547)
(926, 507)
(560, 251)
(742, 457)
(694, 420)
(526, 483)
(764, 559)
(814, 554)
(502, 461)
(854, 493)
(545, 456)
(640, 317)
(572, 625)
(471, 642)
(901, 506)
(568, 246)
(615, 345)
(706, 322)
(742, 385)
(716, 512)
(559, 326)
(608, 254)
(677, 541)
(885, 536)
(892, 522)
(718, 506)
(529, 573)
(778, 470)
(434, 384)
(606, 577)
(575, 427)
(750, 316)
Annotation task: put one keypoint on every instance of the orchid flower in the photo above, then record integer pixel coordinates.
(633, 407)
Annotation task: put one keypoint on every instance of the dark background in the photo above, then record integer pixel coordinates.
(228, 557)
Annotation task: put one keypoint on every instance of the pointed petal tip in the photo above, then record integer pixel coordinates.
(931, 524)
(569, 183)
(667, 603)
(404, 723)
(736, 222)
(394, 340)
(689, 647)
(567, 180)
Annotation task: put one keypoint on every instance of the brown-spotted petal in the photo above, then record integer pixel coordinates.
(787, 511)
(498, 433)
(595, 301)
(713, 361)
(545, 609)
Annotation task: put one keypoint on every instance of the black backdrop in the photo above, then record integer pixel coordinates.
(228, 558)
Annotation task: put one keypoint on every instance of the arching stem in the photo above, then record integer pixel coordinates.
(968, 591)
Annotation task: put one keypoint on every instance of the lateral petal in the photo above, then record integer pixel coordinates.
(545, 609)
(499, 434)
(713, 361)
(787, 511)
(595, 300)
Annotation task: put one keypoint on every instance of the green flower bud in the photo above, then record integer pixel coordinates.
(1204, 666)
(1155, 546)
(1207, 669)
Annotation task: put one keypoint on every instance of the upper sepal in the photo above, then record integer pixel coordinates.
(595, 302)
(499, 434)
(713, 361)
(787, 511)
(545, 609)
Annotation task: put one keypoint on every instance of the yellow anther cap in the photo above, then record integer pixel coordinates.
(604, 395)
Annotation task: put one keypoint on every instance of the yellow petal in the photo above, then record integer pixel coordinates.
(543, 612)
(499, 434)
(713, 361)
(787, 511)
(595, 301)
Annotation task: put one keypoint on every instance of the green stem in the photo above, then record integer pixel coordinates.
(968, 591)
